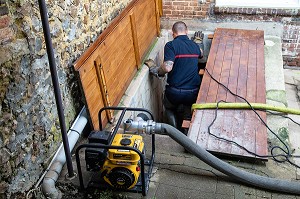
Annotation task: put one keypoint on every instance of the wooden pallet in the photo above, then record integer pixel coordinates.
(236, 60)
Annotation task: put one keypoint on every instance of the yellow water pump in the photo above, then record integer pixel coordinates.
(117, 157)
(122, 167)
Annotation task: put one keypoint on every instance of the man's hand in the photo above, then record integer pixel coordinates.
(198, 37)
(153, 69)
(150, 63)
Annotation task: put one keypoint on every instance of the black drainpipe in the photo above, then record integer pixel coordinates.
(60, 110)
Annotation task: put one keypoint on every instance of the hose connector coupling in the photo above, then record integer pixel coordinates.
(141, 126)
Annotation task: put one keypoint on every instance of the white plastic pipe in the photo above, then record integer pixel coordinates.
(48, 186)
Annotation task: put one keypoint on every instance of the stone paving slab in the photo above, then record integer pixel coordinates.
(292, 78)
(181, 175)
(273, 64)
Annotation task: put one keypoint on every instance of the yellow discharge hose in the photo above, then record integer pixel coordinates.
(257, 106)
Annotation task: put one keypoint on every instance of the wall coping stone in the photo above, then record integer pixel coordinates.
(256, 11)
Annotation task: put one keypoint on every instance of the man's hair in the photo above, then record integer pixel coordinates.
(179, 27)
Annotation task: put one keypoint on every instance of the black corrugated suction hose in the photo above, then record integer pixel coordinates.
(273, 184)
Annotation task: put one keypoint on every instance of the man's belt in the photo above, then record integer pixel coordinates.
(181, 89)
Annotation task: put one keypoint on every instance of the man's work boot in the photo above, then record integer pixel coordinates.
(170, 116)
(183, 113)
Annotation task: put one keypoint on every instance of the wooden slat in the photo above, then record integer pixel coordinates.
(206, 78)
(121, 64)
(248, 133)
(135, 41)
(237, 130)
(234, 70)
(196, 119)
(226, 131)
(242, 77)
(251, 88)
(239, 116)
(157, 13)
(212, 142)
(225, 70)
(261, 136)
(160, 7)
(260, 93)
(236, 60)
(103, 87)
(216, 71)
(207, 117)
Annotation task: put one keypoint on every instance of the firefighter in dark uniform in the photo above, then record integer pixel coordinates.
(181, 63)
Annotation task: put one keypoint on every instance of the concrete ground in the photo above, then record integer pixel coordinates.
(292, 85)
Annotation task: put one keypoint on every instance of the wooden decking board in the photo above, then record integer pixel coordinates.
(203, 132)
(220, 122)
(260, 93)
(196, 127)
(236, 59)
(232, 81)
(225, 68)
(217, 69)
(206, 79)
(230, 55)
(251, 88)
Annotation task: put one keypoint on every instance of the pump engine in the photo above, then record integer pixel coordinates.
(120, 168)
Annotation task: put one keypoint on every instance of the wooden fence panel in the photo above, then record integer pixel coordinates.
(110, 63)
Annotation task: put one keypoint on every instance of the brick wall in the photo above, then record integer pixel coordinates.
(291, 43)
(207, 11)
(187, 9)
